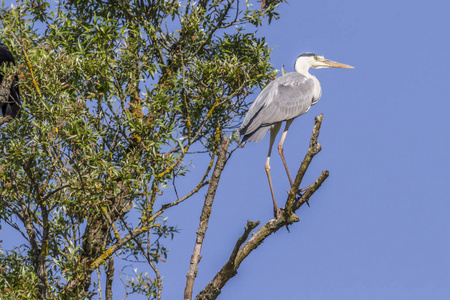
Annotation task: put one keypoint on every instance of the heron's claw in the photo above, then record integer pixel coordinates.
(299, 192)
(277, 212)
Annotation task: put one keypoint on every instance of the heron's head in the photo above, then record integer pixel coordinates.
(310, 60)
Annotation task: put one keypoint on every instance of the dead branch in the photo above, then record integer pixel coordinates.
(109, 279)
(242, 249)
(5, 120)
(310, 191)
(204, 218)
(314, 148)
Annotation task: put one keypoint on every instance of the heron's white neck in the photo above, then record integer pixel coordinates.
(302, 68)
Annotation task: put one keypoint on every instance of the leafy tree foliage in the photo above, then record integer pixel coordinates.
(116, 96)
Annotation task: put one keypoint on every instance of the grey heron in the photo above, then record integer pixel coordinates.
(284, 99)
(12, 106)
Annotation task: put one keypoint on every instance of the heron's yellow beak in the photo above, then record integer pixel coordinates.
(333, 64)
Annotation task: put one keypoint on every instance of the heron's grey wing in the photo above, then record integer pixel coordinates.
(248, 125)
(285, 98)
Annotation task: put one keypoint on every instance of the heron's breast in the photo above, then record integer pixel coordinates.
(317, 91)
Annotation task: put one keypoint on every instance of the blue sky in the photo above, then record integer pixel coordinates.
(379, 228)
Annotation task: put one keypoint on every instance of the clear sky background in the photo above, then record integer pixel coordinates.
(379, 227)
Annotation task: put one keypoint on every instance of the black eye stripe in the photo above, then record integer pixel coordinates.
(307, 54)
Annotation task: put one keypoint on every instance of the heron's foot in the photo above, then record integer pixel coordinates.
(306, 188)
(299, 192)
(277, 212)
(287, 225)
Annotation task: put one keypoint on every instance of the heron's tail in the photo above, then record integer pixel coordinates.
(256, 135)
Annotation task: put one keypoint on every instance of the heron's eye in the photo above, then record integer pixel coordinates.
(316, 57)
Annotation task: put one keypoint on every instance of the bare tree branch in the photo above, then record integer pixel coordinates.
(250, 226)
(158, 280)
(109, 279)
(314, 148)
(242, 250)
(5, 120)
(229, 270)
(311, 190)
(99, 288)
(204, 218)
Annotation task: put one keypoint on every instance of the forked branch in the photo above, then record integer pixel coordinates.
(244, 247)
(314, 148)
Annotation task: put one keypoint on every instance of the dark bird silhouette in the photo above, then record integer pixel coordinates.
(12, 107)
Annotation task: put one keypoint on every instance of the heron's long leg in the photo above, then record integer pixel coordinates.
(273, 133)
(280, 149)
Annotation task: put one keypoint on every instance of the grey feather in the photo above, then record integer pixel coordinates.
(285, 98)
